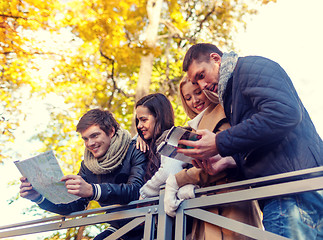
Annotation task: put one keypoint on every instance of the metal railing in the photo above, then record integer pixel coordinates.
(150, 212)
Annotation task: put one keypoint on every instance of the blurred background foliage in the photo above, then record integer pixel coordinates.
(85, 54)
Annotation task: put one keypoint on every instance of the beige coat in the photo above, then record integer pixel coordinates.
(245, 212)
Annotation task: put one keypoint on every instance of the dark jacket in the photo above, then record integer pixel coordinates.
(119, 187)
(271, 130)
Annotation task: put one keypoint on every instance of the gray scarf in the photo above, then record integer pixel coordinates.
(228, 63)
(113, 157)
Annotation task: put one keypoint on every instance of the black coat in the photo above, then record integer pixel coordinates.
(271, 130)
(119, 187)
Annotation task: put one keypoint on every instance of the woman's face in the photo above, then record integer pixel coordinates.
(194, 97)
(146, 122)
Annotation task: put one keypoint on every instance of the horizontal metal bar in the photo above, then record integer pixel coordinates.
(110, 208)
(90, 220)
(33, 222)
(117, 207)
(262, 181)
(233, 225)
(274, 190)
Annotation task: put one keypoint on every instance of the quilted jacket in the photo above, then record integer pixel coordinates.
(271, 130)
(119, 187)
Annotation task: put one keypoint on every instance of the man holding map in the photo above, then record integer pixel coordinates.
(112, 171)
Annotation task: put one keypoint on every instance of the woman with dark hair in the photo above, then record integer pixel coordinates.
(154, 117)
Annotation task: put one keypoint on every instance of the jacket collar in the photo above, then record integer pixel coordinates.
(228, 64)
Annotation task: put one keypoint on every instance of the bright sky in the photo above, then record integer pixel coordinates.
(288, 32)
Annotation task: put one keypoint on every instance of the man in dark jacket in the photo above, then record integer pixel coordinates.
(112, 171)
(271, 132)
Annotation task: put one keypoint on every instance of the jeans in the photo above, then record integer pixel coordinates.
(298, 216)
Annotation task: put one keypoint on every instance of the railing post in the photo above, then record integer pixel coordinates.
(180, 224)
(149, 231)
(165, 222)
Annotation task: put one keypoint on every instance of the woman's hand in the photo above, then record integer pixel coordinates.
(141, 144)
(215, 164)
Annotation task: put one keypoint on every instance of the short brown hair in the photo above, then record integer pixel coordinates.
(102, 118)
(199, 52)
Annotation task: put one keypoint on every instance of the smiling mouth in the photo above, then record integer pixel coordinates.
(95, 149)
(199, 107)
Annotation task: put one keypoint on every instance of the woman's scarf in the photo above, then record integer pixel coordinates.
(113, 157)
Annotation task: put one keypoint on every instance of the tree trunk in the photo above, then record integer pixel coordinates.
(146, 66)
(147, 59)
(80, 231)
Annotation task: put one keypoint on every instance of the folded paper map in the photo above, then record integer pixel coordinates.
(169, 145)
(44, 174)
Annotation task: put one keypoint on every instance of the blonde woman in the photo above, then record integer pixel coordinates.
(209, 115)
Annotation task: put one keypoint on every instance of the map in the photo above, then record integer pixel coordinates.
(44, 174)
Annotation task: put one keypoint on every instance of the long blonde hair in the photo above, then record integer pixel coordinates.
(190, 113)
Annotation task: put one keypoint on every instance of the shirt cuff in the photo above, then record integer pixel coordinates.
(39, 200)
(96, 192)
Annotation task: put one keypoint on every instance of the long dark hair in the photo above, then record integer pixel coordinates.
(161, 108)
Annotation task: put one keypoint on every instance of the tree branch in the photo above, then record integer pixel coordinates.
(115, 87)
(205, 19)
(15, 17)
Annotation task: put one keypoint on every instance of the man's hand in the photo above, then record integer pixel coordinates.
(203, 148)
(27, 191)
(215, 164)
(76, 185)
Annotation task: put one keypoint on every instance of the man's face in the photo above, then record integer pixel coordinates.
(96, 140)
(206, 74)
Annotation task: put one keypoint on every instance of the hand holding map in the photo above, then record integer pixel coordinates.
(44, 173)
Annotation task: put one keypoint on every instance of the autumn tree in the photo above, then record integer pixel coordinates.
(18, 47)
(125, 49)
(114, 52)
(136, 47)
